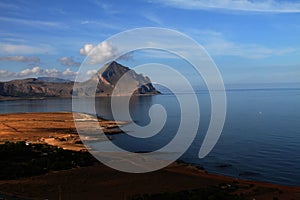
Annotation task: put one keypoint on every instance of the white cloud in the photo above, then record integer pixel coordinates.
(252, 51)
(239, 5)
(68, 72)
(217, 44)
(99, 53)
(24, 49)
(106, 7)
(102, 24)
(91, 72)
(85, 22)
(28, 22)
(68, 61)
(20, 59)
(153, 18)
(5, 73)
(51, 71)
(86, 49)
(37, 72)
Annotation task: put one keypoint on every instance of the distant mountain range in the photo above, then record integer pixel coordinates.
(107, 79)
(53, 80)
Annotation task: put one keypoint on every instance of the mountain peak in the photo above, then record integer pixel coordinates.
(107, 79)
(111, 73)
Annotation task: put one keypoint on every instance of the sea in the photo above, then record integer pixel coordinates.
(260, 139)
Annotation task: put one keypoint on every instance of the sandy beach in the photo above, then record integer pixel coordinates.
(101, 182)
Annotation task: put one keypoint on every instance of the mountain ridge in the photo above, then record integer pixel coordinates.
(107, 78)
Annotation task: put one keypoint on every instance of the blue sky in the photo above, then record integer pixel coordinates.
(251, 42)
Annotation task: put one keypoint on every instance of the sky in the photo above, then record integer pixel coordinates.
(250, 41)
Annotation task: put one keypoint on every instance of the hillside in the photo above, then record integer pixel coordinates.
(107, 78)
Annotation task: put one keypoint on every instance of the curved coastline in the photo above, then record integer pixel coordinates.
(58, 129)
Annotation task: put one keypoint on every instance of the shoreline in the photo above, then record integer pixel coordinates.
(60, 131)
(10, 98)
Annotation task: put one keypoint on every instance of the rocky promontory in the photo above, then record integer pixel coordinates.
(105, 79)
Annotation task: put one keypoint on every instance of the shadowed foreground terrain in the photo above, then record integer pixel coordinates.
(36, 170)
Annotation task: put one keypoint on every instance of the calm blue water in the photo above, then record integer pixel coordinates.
(260, 139)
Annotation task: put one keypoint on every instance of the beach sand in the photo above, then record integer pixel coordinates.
(102, 182)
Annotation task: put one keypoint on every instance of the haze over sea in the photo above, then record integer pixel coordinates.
(260, 139)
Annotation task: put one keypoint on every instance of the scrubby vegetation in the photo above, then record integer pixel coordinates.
(22, 160)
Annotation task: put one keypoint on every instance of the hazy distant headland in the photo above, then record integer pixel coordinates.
(55, 87)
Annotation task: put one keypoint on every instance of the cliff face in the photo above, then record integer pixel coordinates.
(107, 79)
(110, 74)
